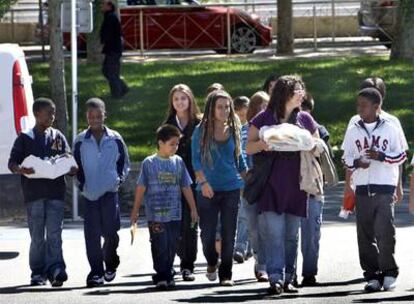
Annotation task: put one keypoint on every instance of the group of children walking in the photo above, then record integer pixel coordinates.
(196, 180)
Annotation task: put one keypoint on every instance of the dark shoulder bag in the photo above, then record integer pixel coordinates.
(257, 176)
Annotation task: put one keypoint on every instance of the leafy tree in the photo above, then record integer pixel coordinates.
(403, 44)
(5, 6)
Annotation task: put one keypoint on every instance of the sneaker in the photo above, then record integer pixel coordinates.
(162, 285)
(58, 278)
(95, 281)
(211, 273)
(227, 282)
(37, 280)
(309, 281)
(275, 289)
(389, 283)
(109, 275)
(289, 288)
(372, 286)
(238, 257)
(261, 276)
(248, 255)
(187, 275)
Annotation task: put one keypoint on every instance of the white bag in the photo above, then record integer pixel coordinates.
(287, 137)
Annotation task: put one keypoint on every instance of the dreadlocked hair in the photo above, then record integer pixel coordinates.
(207, 143)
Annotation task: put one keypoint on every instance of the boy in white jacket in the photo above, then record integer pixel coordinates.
(373, 151)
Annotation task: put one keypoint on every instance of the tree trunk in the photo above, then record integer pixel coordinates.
(284, 27)
(93, 44)
(403, 43)
(57, 66)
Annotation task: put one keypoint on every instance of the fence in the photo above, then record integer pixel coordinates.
(314, 19)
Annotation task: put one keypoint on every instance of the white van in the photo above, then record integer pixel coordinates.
(16, 99)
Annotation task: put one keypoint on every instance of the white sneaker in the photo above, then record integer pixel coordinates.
(372, 286)
(389, 283)
(211, 273)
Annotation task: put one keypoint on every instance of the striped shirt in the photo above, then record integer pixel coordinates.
(163, 180)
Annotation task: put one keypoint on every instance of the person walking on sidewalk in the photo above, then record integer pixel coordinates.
(373, 151)
(103, 163)
(162, 179)
(44, 198)
(183, 113)
(220, 167)
(111, 39)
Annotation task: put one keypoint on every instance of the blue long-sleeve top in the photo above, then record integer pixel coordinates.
(223, 174)
(102, 167)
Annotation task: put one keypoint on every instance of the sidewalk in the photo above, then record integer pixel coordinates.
(339, 274)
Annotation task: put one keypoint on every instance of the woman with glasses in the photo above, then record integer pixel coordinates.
(282, 204)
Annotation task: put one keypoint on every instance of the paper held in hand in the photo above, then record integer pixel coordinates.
(49, 169)
(287, 137)
(133, 230)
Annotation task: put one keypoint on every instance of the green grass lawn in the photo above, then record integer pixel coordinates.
(333, 83)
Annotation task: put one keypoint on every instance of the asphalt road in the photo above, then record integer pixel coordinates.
(339, 272)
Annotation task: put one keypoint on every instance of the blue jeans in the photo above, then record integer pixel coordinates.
(226, 203)
(45, 219)
(310, 237)
(164, 239)
(242, 235)
(281, 234)
(102, 219)
(257, 243)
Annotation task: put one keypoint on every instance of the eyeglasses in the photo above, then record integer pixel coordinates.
(299, 91)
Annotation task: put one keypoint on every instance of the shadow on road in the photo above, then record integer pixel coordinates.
(408, 298)
(8, 255)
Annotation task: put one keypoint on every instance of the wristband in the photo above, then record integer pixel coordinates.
(203, 182)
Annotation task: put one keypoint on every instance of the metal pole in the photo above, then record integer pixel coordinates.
(315, 30)
(42, 30)
(12, 24)
(333, 20)
(141, 31)
(74, 55)
(228, 32)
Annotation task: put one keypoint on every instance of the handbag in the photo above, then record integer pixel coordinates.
(257, 176)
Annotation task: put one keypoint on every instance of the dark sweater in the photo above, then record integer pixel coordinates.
(111, 34)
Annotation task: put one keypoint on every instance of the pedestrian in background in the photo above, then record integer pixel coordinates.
(111, 39)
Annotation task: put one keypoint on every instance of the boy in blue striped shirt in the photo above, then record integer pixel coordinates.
(162, 178)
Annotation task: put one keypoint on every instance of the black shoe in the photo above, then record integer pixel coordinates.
(37, 280)
(187, 275)
(109, 275)
(95, 281)
(58, 278)
(289, 288)
(238, 257)
(275, 289)
(309, 281)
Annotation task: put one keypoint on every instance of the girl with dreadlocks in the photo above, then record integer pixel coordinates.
(219, 167)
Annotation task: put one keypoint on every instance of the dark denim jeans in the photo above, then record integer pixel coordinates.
(45, 219)
(310, 237)
(226, 203)
(164, 240)
(102, 219)
(111, 69)
(187, 245)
